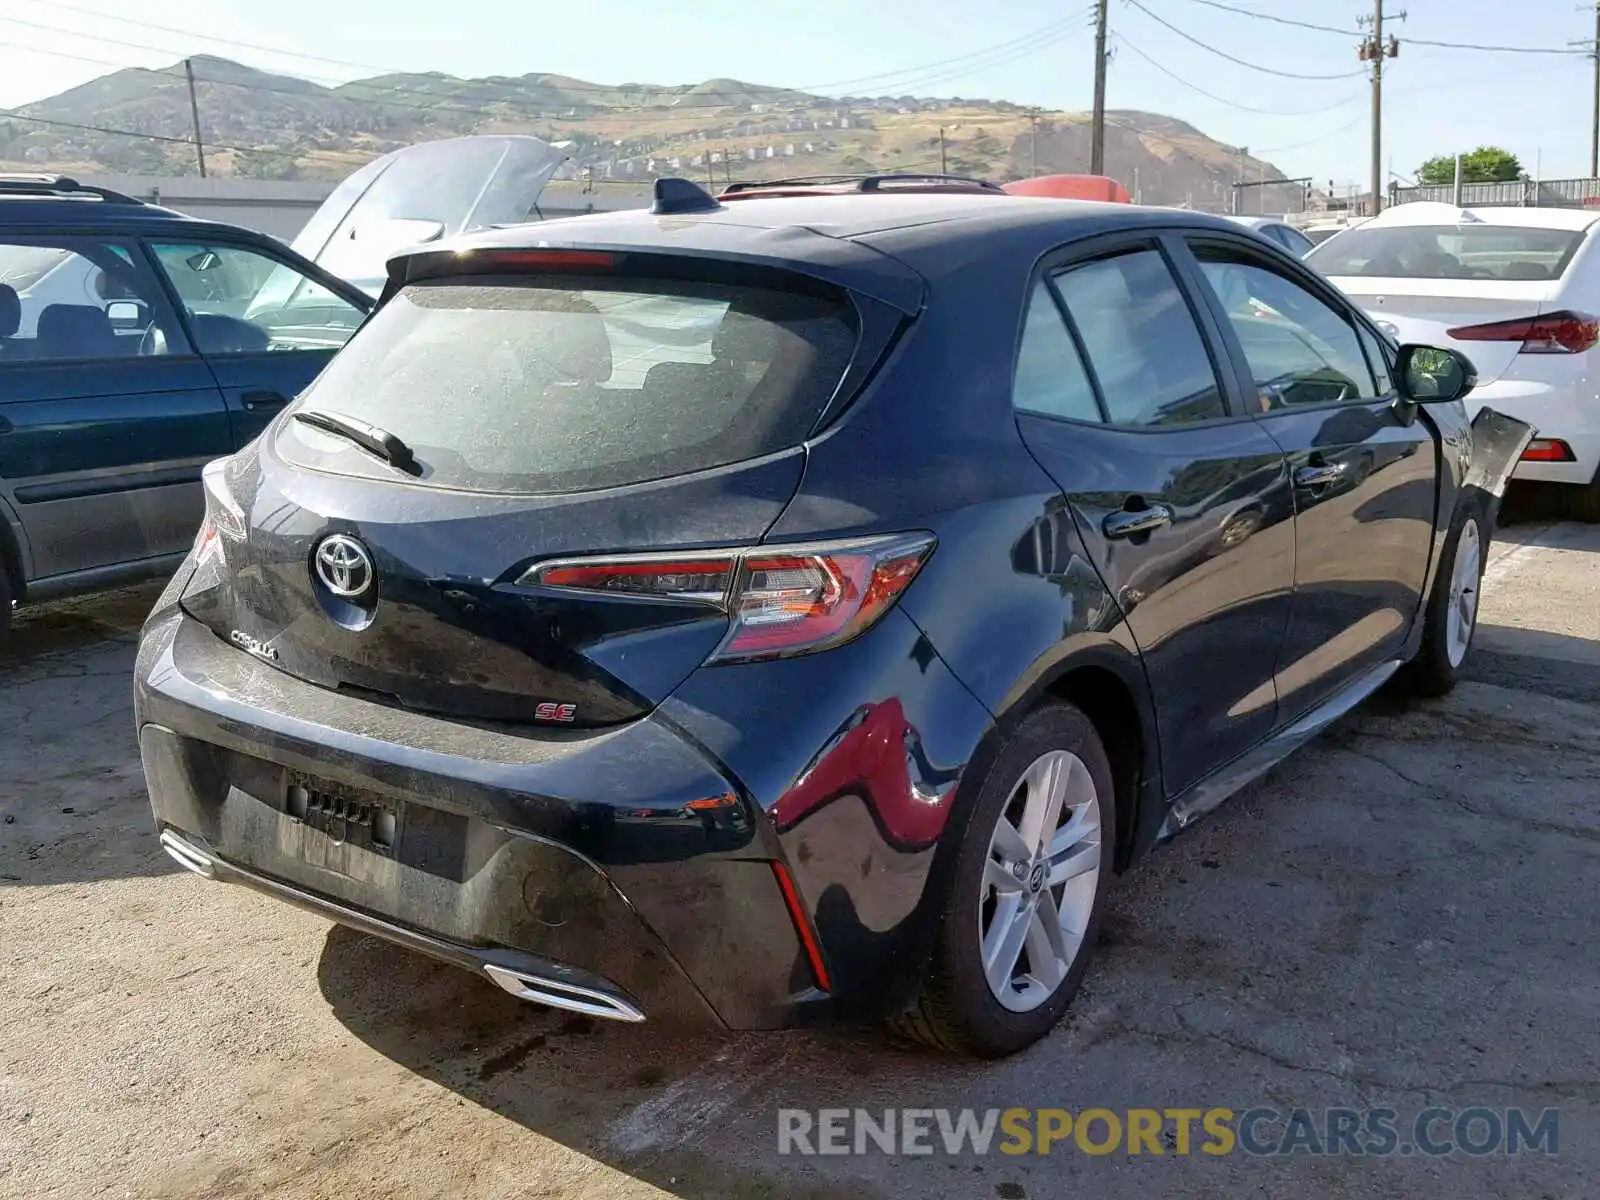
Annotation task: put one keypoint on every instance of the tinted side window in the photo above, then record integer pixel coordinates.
(1143, 345)
(1379, 360)
(66, 298)
(1294, 240)
(241, 301)
(1300, 350)
(1050, 377)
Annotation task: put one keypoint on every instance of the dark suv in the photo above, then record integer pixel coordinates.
(136, 344)
(754, 612)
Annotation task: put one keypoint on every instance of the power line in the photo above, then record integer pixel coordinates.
(350, 91)
(345, 160)
(1070, 24)
(1122, 39)
(1189, 37)
(1262, 16)
(1412, 41)
(1250, 12)
(1031, 41)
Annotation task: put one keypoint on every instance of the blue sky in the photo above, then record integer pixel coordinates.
(1437, 100)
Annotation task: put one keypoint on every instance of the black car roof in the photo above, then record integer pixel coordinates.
(865, 242)
(67, 214)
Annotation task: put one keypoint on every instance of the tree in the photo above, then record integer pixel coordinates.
(1486, 164)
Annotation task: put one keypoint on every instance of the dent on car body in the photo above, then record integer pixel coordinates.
(1497, 445)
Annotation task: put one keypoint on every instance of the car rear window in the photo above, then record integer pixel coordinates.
(565, 384)
(1503, 252)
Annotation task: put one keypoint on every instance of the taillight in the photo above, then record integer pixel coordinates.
(781, 600)
(701, 580)
(223, 516)
(1563, 332)
(1548, 450)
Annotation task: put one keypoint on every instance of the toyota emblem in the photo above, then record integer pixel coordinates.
(344, 566)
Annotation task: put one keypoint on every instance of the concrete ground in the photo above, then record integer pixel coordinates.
(1401, 916)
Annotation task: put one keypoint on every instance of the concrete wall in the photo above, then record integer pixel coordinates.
(282, 207)
(277, 207)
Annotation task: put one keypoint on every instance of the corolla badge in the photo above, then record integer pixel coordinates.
(257, 647)
(344, 566)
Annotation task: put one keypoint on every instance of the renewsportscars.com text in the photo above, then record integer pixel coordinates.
(1373, 1132)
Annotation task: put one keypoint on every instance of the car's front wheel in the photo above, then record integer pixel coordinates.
(1451, 618)
(1028, 890)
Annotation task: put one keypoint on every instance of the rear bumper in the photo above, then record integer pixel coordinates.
(523, 975)
(640, 858)
(1569, 411)
(576, 860)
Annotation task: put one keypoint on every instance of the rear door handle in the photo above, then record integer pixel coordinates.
(262, 401)
(1321, 476)
(1127, 524)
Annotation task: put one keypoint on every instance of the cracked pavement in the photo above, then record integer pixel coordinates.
(1399, 916)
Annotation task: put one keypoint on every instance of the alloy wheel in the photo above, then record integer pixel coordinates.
(1461, 615)
(1040, 881)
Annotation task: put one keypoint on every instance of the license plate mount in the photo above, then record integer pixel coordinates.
(345, 816)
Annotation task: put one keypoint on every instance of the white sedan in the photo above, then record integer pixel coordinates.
(1516, 290)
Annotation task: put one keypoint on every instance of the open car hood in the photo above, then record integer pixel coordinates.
(423, 193)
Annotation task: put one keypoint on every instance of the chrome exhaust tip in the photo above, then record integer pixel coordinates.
(187, 856)
(567, 996)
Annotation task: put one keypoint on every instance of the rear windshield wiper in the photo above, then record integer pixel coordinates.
(370, 438)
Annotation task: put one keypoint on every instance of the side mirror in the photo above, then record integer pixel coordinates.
(1430, 375)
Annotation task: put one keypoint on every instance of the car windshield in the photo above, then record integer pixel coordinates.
(551, 385)
(1503, 252)
(23, 266)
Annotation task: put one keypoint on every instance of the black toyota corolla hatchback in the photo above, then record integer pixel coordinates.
(755, 612)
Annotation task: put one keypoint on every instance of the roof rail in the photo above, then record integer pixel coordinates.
(23, 184)
(864, 183)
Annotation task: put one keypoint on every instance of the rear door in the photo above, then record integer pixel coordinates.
(1181, 499)
(1365, 477)
(265, 326)
(106, 415)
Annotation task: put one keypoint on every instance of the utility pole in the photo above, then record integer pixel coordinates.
(194, 112)
(1375, 50)
(1591, 47)
(1097, 129)
(1594, 128)
(945, 170)
(1033, 139)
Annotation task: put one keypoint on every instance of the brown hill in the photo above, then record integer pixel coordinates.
(263, 124)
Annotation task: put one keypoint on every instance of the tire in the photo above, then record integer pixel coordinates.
(958, 1009)
(1443, 655)
(1582, 502)
(5, 603)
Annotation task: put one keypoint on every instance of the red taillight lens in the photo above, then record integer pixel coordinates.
(792, 603)
(793, 600)
(1548, 450)
(704, 580)
(1563, 332)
